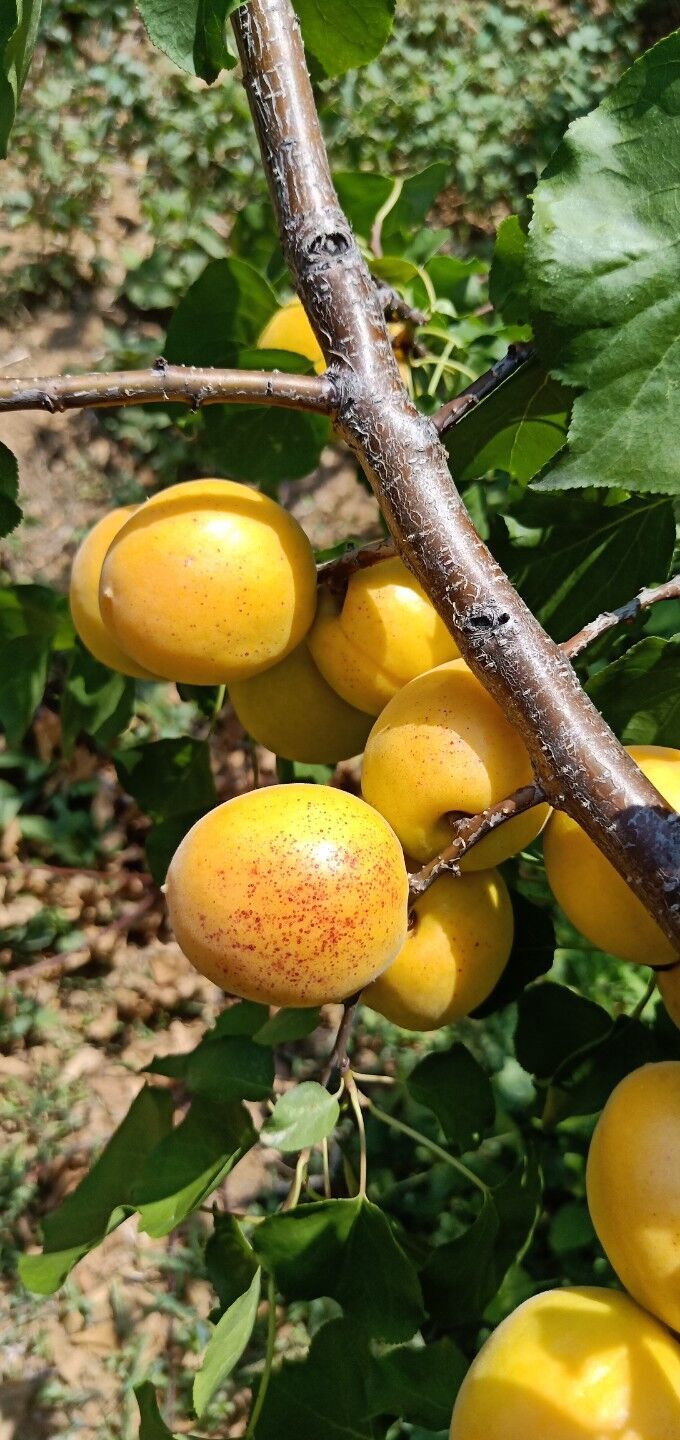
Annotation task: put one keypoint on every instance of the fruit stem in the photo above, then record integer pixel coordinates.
(469, 830)
(430, 1145)
(337, 1060)
(356, 1106)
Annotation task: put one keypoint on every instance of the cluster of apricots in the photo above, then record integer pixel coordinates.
(298, 894)
(575, 1363)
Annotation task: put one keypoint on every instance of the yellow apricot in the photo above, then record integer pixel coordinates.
(379, 637)
(668, 983)
(594, 897)
(83, 595)
(633, 1185)
(290, 895)
(443, 745)
(291, 710)
(573, 1364)
(289, 329)
(455, 952)
(207, 582)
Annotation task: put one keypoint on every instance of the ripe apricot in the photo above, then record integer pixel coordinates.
(290, 895)
(592, 894)
(83, 595)
(289, 329)
(443, 745)
(633, 1185)
(456, 950)
(291, 710)
(573, 1364)
(207, 582)
(379, 637)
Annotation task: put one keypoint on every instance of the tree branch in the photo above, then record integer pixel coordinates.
(186, 384)
(577, 760)
(337, 1060)
(468, 831)
(336, 572)
(517, 357)
(625, 615)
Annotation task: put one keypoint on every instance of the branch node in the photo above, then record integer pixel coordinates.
(160, 364)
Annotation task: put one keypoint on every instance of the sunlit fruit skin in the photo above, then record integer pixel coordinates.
(668, 982)
(290, 895)
(83, 595)
(633, 1186)
(455, 952)
(443, 745)
(379, 637)
(594, 897)
(573, 1364)
(289, 329)
(208, 582)
(291, 710)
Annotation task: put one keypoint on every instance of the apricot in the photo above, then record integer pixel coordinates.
(594, 897)
(633, 1186)
(291, 710)
(289, 329)
(455, 952)
(573, 1364)
(208, 582)
(443, 745)
(290, 895)
(83, 595)
(379, 637)
(668, 984)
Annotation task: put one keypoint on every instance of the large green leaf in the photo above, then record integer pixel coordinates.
(507, 278)
(19, 21)
(453, 1085)
(639, 695)
(222, 1066)
(94, 699)
(518, 428)
(323, 1397)
(226, 1344)
(192, 33)
(340, 37)
(345, 1249)
(10, 514)
(554, 1023)
(573, 561)
(223, 312)
(23, 675)
(190, 1163)
(168, 777)
(103, 1198)
(533, 950)
(603, 267)
(264, 445)
(417, 1383)
(229, 1259)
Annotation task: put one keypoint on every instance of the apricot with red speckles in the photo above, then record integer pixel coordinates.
(208, 582)
(83, 595)
(290, 895)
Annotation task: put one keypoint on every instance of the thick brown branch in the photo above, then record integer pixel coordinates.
(625, 615)
(468, 832)
(518, 355)
(577, 761)
(186, 384)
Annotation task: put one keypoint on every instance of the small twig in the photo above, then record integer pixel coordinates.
(395, 307)
(431, 1145)
(295, 1191)
(448, 415)
(353, 1093)
(382, 214)
(337, 1060)
(268, 1359)
(468, 832)
(184, 384)
(327, 1188)
(625, 615)
(336, 572)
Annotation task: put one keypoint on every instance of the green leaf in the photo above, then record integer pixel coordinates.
(417, 196)
(230, 1068)
(192, 33)
(10, 513)
(168, 777)
(23, 676)
(639, 695)
(604, 274)
(417, 1383)
(163, 839)
(323, 1395)
(361, 195)
(287, 1025)
(19, 21)
(95, 700)
(223, 312)
(344, 1249)
(507, 279)
(453, 1085)
(151, 1423)
(103, 1198)
(263, 444)
(554, 1022)
(586, 1081)
(533, 951)
(341, 37)
(244, 1018)
(226, 1345)
(190, 1163)
(301, 1117)
(571, 562)
(518, 428)
(229, 1259)
(38, 612)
